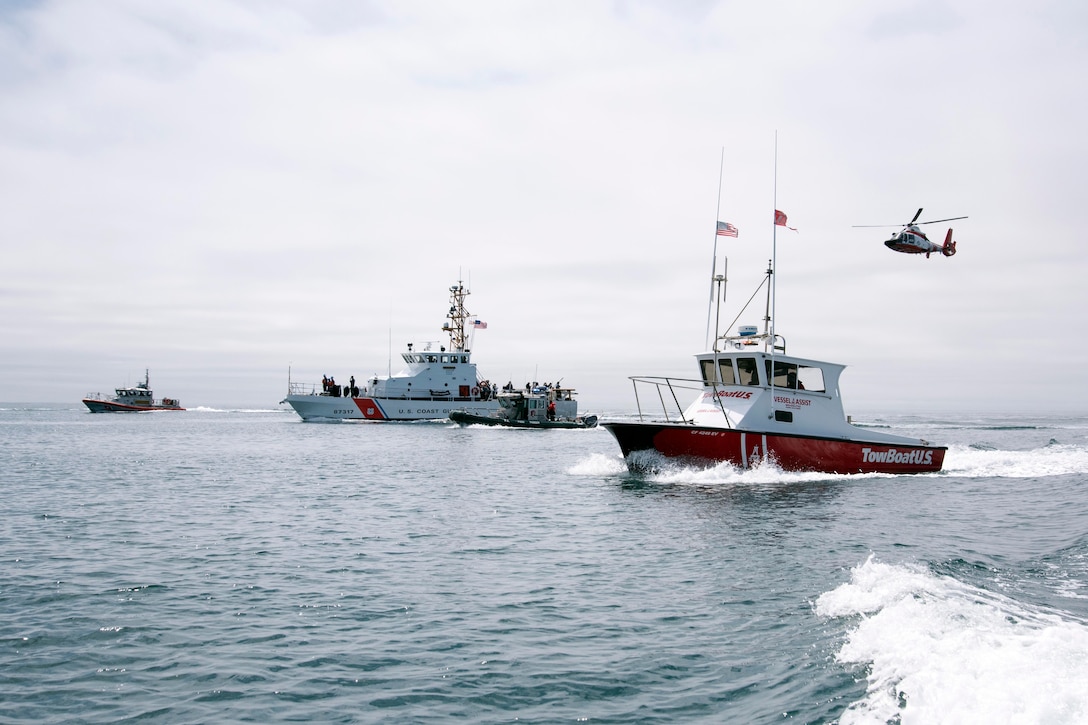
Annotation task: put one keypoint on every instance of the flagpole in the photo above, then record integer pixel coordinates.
(774, 270)
(774, 245)
(714, 259)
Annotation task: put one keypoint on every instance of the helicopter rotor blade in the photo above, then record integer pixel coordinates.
(916, 215)
(949, 219)
(873, 226)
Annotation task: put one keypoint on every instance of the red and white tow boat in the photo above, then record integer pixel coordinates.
(136, 399)
(755, 403)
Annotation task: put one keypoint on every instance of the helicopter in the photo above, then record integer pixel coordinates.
(912, 240)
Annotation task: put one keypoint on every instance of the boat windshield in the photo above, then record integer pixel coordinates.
(415, 357)
(748, 370)
(724, 372)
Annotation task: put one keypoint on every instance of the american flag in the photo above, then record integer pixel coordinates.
(479, 324)
(725, 229)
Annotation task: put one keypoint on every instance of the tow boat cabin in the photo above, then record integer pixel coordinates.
(770, 392)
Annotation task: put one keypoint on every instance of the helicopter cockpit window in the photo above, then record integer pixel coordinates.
(748, 371)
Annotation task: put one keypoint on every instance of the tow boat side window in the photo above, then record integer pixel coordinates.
(748, 371)
(785, 374)
(796, 377)
(811, 378)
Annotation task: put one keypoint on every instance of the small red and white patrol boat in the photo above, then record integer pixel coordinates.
(755, 403)
(433, 383)
(136, 399)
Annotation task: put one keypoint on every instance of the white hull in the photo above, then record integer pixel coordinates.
(324, 407)
(433, 382)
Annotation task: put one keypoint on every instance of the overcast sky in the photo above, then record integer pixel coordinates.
(219, 191)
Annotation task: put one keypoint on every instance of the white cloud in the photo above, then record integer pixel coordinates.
(219, 190)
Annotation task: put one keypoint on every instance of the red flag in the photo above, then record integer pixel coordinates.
(780, 220)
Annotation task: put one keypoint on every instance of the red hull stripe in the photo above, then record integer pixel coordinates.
(370, 408)
(790, 452)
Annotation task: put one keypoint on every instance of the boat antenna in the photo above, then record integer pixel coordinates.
(768, 323)
(457, 317)
(723, 281)
(714, 259)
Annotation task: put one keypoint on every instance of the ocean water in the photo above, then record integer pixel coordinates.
(242, 566)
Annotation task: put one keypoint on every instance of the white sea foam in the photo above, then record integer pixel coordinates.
(765, 472)
(653, 466)
(207, 409)
(598, 464)
(938, 650)
(1051, 460)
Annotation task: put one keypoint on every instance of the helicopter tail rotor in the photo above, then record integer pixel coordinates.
(949, 247)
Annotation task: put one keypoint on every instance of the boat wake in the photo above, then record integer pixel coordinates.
(964, 461)
(935, 649)
(652, 467)
(209, 409)
(1053, 459)
(598, 464)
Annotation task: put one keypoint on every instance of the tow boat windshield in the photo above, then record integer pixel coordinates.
(745, 371)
